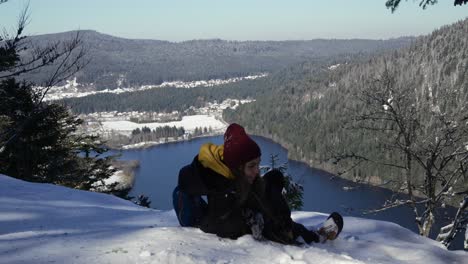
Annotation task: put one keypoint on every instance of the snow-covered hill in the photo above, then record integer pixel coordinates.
(42, 223)
(73, 89)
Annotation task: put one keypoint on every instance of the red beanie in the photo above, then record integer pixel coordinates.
(239, 148)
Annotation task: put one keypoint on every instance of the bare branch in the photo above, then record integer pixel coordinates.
(339, 157)
(23, 21)
(69, 55)
(393, 204)
(71, 61)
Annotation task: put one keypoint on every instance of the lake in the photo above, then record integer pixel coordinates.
(159, 167)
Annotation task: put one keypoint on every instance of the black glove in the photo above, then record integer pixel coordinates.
(255, 221)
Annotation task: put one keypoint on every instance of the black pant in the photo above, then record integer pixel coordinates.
(279, 226)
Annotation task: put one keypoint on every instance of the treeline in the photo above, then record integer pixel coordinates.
(152, 117)
(199, 131)
(146, 134)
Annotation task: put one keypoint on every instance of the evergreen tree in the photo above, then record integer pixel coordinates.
(292, 192)
(39, 140)
(393, 4)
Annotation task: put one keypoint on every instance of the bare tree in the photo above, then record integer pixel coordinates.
(39, 141)
(422, 136)
(66, 57)
(459, 224)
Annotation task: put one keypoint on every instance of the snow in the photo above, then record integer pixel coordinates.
(108, 124)
(144, 144)
(122, 179)
(70, 89)
(43, 223)
(211, 108)
(188, 122)
(147, 144)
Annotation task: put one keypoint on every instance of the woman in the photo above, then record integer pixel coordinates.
(239, 201)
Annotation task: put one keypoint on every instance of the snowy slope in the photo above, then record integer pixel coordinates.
(189, 123)
(42, 223)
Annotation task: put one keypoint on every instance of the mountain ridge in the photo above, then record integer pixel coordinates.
(131, 62)
(96, 32)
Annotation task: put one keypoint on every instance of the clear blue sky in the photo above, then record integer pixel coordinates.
(177, 20)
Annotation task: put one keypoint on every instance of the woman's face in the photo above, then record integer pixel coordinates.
(252, 170)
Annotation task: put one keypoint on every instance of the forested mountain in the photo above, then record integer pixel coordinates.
(129, 62)
(311, 115)
(170, 99)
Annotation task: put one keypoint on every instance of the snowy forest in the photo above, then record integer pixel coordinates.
(402, 113)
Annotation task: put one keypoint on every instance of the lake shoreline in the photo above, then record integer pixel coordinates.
(148, 145)
(160, 166)
(374, 182)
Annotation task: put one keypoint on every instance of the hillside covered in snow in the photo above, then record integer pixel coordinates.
(43, 223)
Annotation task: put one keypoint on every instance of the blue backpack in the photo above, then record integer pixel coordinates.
(189, 209)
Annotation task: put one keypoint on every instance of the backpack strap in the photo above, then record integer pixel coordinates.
(188, 204)
(190, 179)
(189, 209)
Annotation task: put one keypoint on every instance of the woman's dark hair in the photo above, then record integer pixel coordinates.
(244, 187)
